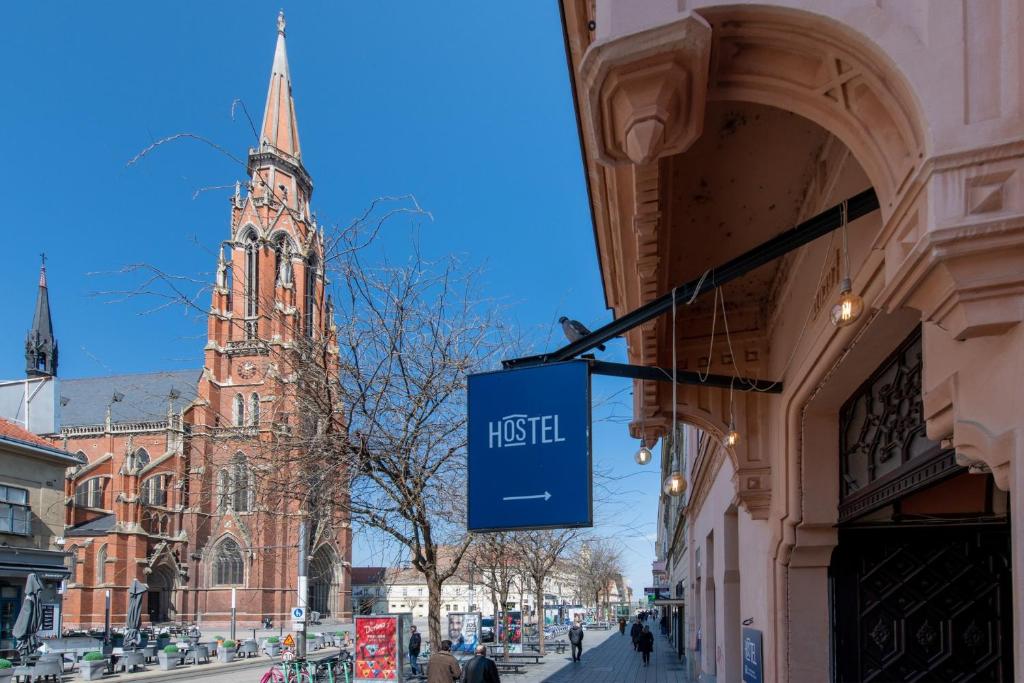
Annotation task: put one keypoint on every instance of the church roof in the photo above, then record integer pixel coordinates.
(94, 527)
(145, 396)
(280, 129)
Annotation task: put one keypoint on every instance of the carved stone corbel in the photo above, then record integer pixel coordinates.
(645, 92)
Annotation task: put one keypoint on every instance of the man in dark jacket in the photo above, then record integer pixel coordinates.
(576, 640)
(635, 630)
(443, 667)
(414, 651)
(480, 669)
(645, 643)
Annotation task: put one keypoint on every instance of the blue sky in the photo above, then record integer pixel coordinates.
(465, 105)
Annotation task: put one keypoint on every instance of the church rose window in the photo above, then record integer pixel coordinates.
(228, 567)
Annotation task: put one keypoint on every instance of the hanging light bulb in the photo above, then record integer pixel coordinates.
(674, 484)
(849, 307)
(732, 437)
(643, 456)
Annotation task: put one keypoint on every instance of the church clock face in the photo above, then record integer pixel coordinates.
(247, 370)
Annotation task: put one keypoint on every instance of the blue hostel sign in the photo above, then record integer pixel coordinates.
(752, 672)
(529, 448)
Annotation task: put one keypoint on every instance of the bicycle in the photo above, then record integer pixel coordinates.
(288, 670)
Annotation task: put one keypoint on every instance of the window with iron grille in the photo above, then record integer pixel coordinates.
(15, 515)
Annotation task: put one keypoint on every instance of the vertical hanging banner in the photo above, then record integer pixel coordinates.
(529, 448)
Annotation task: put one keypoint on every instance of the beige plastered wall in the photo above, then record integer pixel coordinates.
(926, 97)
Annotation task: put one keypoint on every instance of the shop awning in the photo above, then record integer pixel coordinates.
(670, 602)
(20, 562)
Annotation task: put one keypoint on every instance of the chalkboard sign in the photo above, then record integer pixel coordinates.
(50, 620)
(752, 656)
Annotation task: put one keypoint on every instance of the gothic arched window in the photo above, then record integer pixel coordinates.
(241, 486)
(254, 410)
(101, 565)
(154, 490)
(228, 566)
(141, 458)
(90, 493)
(252, 275)
(309, 312)
(71, 562)
(239, 411)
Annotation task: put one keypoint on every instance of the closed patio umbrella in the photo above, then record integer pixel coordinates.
(132, 636)
(29, 618)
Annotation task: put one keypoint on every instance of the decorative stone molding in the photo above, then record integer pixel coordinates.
(645, 92)
(956, 253)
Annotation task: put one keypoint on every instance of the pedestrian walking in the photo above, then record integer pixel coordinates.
(415, 641)
(576, 640)
(635, 630)
(443, 667)
(664, 624)
(645, 643)
(622, 626)
(481, 669)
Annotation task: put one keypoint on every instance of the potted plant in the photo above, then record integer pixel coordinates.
(272, 646)
(226, 651)
(93, 666)
(169, 657)
(6, 669)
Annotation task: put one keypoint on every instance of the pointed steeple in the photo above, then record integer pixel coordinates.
(280, 128)
(40, 345)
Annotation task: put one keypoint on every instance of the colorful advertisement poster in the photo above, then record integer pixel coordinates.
(378, 650)
(513, 621)
(464, 631)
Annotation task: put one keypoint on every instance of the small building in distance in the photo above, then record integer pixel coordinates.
(31, 525)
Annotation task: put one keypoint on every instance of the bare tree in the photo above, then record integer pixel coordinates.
(498, 564)
(598, 564)
(539, 552)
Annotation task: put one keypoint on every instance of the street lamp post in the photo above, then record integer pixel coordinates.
(234, 611)
(106, 617)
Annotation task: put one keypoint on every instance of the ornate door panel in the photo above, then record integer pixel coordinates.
(923, 604)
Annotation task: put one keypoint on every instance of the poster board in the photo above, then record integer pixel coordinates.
(379, 652)
(464, 631)
(513, 621)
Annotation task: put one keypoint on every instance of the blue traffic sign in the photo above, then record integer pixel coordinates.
(529, 448)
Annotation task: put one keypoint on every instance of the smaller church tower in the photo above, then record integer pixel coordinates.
(40, 345)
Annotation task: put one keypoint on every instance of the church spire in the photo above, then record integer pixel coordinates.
(40, 345)
(280, 129)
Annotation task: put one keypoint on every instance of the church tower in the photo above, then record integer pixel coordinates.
(40, 344)
(269, 319)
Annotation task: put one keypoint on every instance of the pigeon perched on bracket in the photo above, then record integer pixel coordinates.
(575, 330)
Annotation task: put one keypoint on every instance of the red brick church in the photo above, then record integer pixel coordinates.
(174, 487)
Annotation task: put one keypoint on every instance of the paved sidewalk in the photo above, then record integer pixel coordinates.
(607, 658)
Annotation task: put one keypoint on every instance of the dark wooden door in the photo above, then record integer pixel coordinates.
(923, 604)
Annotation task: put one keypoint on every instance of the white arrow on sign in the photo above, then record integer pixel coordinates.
(544, 495)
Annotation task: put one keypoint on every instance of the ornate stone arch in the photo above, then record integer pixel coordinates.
(826, 72)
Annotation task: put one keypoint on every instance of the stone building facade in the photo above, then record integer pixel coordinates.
(181, 473)
(865, 523)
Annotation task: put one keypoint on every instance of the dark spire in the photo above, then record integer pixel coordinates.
(41, 346)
